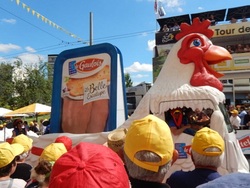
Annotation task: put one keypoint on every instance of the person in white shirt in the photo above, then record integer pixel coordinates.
(8, 164)
(235, 119)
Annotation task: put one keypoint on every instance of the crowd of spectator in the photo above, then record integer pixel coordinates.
(167, 28)
(239, 117)
(212, 18)
(146, 152)
(238, 48)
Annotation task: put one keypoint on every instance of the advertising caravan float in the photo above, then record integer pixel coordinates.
(232, 36)
(187, 83)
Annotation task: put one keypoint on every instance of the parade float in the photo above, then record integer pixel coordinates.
(186, 81)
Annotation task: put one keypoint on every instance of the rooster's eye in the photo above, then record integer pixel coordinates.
(196, 42)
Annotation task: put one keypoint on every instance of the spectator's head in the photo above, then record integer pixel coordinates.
(45, 122)
(52, 152)
(8, 154)
(207, 148)
(17, 123)
(26, 142)
(116, 141)
(89, 165)
(242, 108)
(31, 124)
(41, 172)
(176, 111)
(65, 140)
(149, 149)
(234, 113)
(233, 20)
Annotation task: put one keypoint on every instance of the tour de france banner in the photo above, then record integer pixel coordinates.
(88, 90)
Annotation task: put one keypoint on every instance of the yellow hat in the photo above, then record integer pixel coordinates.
(177, 111)
(234, 112)
(206, 138)
(24, 140)
(116, 139)
(53, 151)
(151, 134)
(31, 123)
(8, 152)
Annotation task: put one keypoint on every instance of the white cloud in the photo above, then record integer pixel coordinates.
(200, 8)
(179, 9)
(151, 45)
(171, 3)
(8, 47)
(138, 67)
(10, 21)
(139, 76)
(2, 59)
(30, 49)
(31, 59)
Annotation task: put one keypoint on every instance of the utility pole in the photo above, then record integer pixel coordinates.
(90, 29)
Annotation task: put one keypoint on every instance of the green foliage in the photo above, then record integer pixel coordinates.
(128, 80)
(7, 85)
(22, 85)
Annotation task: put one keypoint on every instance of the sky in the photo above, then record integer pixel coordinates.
(33, 29)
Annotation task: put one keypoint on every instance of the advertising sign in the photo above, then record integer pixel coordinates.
(240, 61)
(231, 29)
(88, 85)
(165, 37)
(244, 140)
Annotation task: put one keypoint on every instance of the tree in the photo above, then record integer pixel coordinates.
(7, 85)
(128, 80)
(22, 85)
(35, 86)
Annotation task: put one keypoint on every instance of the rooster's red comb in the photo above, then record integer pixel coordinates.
(196, 27)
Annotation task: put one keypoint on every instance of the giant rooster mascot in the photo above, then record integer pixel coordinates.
(187, 80)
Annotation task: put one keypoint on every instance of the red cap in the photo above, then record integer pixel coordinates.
(89, 165)
(65, 140)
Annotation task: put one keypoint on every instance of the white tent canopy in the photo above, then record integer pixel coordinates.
(4, 111)
(34, 108)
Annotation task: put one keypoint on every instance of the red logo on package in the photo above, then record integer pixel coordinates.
(188, 149)
(244, 142)
(88, 65)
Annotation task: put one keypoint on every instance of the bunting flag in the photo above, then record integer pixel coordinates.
(45, 20)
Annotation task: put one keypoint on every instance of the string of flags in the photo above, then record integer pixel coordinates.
(45, 20)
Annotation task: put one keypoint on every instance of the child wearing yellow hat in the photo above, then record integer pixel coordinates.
(23, 169)
(41, 173)
(8, 153)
